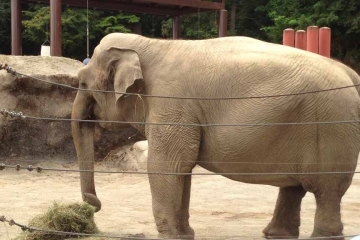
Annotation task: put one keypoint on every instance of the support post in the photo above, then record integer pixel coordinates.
(176, 27)
(137, 28)
(223, 23)
(325, 41)
(289, 37)
(16, 48)
(300, 39)
(55, 29)
(313, 39)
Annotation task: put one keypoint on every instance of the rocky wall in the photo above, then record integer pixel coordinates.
(32, 139)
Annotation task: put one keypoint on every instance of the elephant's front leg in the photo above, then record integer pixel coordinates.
(184, 226)
(171, 216)
(171, 193)
(286, 219)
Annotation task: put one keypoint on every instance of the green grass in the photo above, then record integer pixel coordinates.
(76, 217)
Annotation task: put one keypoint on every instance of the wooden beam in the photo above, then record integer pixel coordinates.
(118, 6)
(164, 7)
(187, 3)
(16, 48)
(188, 11)
(55, 28)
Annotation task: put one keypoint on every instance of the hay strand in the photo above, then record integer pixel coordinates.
(76, 217)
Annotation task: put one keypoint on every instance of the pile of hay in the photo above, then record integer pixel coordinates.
(76, 217)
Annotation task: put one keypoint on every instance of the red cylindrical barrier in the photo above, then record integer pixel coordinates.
(289, 37)
(325, 41)
(300, 39)
(312, 39)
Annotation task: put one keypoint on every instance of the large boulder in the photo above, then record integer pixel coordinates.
(130, 157)
(34, 139)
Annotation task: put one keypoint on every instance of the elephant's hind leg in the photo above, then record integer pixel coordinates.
(286, 219)
(327, 217)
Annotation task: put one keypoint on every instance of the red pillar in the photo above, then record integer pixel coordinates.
(16, 48)
(300, 39)
(176, 27)
(313, 39)
(223, 23)
(55, 29)
(325, 41)
(289, 37)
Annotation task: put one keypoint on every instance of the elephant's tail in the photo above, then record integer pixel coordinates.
(355, 79)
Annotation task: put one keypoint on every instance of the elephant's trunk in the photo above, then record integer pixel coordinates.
(83, 135)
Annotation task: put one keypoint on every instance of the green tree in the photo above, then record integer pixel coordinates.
(115, 23)
(195, 26)
(151, 25)
(342, 17)
(5, 27)
(262, 19)
(74, 27)
(247, 21)
(242, 20)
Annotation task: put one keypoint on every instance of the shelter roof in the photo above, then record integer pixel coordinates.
(155, 7)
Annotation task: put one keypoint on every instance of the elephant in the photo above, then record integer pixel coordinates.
(138, 74)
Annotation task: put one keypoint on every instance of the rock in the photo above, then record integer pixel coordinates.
(132, 157)
(43, 139)
(34, 98)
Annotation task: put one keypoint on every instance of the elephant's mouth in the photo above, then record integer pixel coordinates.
(88, 112)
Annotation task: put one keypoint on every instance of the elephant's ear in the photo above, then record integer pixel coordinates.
(125, 67)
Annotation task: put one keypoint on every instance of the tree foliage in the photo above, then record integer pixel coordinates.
(247, 20)
(74, 27)
(5, 26)
(343, 17)
(196, 26)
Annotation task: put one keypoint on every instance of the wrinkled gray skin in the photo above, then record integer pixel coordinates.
(224, 67)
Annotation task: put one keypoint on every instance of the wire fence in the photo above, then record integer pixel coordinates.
(15, 73)
(39, 169)
(20, 115)
(35, 161)
(33, 229)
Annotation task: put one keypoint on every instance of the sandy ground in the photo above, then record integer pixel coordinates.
(220, 208)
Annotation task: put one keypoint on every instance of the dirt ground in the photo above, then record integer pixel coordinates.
(220, 208)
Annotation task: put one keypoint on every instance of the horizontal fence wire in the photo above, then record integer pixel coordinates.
(32, 229)
(182, 161)
(30, 168)
(13, 72)
(20, 115)
(39, 169)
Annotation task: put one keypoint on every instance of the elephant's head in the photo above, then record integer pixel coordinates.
(113, 69)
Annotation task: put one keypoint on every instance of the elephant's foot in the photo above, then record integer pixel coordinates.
(181, 233)
(177, 236)
(323, 234)
(274, 231)
(187, 233)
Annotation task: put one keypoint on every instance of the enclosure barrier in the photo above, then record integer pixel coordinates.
(24, 228)
(314, 39)
(291, 38)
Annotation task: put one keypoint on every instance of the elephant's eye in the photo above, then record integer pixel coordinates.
(83, 85)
